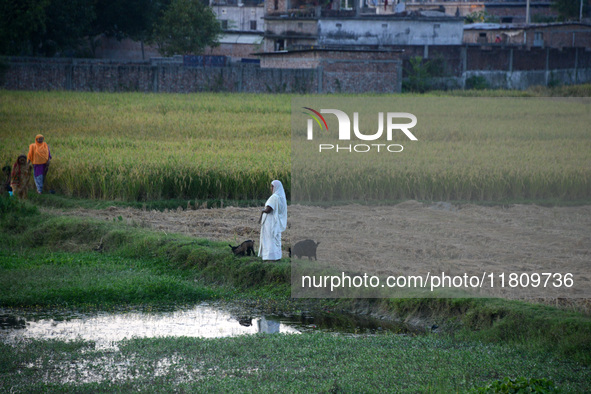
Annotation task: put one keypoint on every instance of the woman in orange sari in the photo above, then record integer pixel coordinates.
(39, 156)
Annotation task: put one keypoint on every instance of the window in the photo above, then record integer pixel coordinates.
(538, 39)
(347, 4)
(224, 23)
(253, 25)
(279, 45)
(276, 4)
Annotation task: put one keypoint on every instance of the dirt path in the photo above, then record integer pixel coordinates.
(409, 238)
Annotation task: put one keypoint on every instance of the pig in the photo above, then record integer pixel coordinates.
(304, 248)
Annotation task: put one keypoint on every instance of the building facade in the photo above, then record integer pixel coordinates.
(539, 35)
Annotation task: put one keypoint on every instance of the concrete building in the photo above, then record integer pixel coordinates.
(425, 28)
(326, 27)
(243, 23)
(240, 15)
(541, 35)
(515, 11)
(504, 11)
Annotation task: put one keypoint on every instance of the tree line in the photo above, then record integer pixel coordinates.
(73, 28)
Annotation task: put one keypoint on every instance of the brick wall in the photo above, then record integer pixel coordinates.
(307, 72)
(108, 76)
(235, 51)
(492, 59)
(567, 36)
(562, 37)
(346, 71)
(530, 60)
(305, 60)
(517, 12)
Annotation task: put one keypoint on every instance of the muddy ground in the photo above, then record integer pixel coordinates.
(410, 238)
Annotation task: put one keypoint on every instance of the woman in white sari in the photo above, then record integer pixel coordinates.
(273, 223)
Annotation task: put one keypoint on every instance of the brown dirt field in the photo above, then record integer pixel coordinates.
(410, 238)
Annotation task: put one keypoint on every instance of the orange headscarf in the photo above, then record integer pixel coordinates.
(38, 152)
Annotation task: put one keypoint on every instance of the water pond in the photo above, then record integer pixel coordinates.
(204, 321)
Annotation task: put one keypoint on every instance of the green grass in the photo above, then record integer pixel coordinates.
(60, 260)
(280, 363)
(563, 333)
(52, 261)
(63, 279)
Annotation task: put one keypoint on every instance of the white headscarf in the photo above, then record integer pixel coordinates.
(282, 208)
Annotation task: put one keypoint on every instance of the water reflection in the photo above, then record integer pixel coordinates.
(268, 326)
(107, 328)
(203, 321)
(10, 321)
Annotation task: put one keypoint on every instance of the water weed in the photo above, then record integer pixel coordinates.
(280, 363)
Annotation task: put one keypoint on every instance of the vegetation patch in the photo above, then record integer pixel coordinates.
(203, 147)
(286, 363)
(60, 261)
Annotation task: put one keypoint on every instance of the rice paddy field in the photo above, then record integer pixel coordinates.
(138, 147)
(143, 147)
(66, 253)
(467, 149)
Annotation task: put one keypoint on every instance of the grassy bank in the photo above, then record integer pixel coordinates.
(67, 261)
(72, 261)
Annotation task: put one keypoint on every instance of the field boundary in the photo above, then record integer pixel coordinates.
(104, 75)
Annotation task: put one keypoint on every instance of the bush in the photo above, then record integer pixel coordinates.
(12, 205)
(477, 82)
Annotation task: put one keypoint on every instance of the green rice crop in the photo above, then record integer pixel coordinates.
(144, 147)
(468, 149)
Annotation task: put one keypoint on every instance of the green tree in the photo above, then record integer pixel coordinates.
(20, 20)
(44, 27)
(187, 27)
(67, 25)
(128, 18)
(570, 9)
